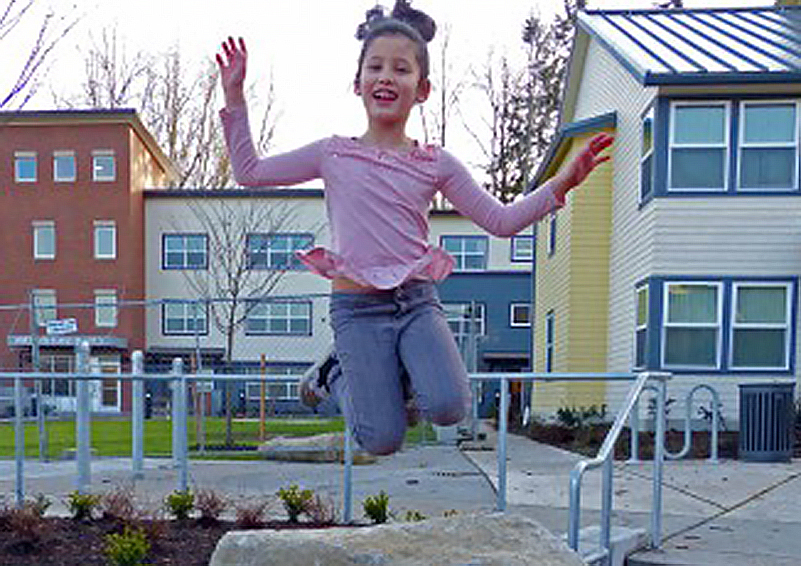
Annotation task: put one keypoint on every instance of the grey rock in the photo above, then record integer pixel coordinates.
(463, 540)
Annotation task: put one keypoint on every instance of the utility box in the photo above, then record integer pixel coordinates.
(767, 422)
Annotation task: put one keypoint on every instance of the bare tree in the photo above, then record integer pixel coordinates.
(447, 93)
(25, 76)
(239, 275)
(177, 104)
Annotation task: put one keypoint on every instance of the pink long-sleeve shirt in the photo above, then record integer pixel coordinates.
(378, 201)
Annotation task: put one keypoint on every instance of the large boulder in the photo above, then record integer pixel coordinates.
(462, 540)
(318, 448)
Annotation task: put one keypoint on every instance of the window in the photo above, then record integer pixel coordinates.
(276, 390)
(523, 248)
(58, 364)
(284, 317)
(184, 317)
(470, 252)
(699, 137)
(25, 166)
(550, 333)
(552, 235)
(105, 239)
(104, 166)
(641, 328)
(462, 319)
(692, 319)
(768, 146)
(760, 326)
(105, 308)
(647, 156)
(276, 251)
(44, 239)
(520, 315)
(64, 169)
(44, 301)
(185, 251)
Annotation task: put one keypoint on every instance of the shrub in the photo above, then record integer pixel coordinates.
(413, 516)
(27, 524)
(82, 505)
(180, 504)
(210, 504)
(376, 508)
(128, 548)
(118, 505)
(580, 417)
(322, 511)
(295, 500)
(250, 515)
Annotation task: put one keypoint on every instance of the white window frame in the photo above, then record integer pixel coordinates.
(97, 175)
(269, 315)
(718, 324)
(552, 234)
(787, 326)
(742, 144)
(461, 254)
(290, 388)
(57, 155)
(101, 226)
(726, 145)
(528, 255)
(25, 156)
(515, 306)
(106, 310)
(550, 341)
(45, 302)
(640, 327)
(270, 251)
(645, 155)
(36, 226)
(183, 238)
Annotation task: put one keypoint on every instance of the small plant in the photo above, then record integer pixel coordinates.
(250, 515)
(27, 524)
(118, 505)
(211, 505)
(450, 513)
(128, 548)
(322, 511)
(580, 417)
(82, 505)
(413, 516)
(295, 500)
(180, 504)
(376, 508)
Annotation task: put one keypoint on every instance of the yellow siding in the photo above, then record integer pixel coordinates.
(574, 283)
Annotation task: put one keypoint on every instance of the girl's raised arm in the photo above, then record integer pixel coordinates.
(233, 67)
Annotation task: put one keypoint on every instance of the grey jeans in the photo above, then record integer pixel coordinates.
(377, 335)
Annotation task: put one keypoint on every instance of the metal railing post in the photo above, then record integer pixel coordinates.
(606, 506)
(179, 422)
(347, 480)
(138, 414)
(82, 421)
(503, 421)
(634, 427)
(19, 442)
(574, 518)
(659, 461)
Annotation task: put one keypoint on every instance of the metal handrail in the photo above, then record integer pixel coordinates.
(605, 458)
(713, 451)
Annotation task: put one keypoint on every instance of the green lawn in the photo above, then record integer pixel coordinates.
(112, 437)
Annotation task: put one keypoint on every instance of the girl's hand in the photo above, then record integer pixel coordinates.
(583, 164)
(233, 67)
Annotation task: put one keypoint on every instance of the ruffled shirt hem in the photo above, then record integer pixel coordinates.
(435, 264)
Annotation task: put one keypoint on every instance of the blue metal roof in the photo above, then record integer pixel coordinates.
(702, 46)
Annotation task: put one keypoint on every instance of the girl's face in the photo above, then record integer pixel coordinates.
(389, 81)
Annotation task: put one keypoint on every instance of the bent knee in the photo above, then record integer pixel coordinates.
(448, 413)
(381, 443)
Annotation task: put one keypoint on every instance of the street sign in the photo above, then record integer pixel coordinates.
(59, 327)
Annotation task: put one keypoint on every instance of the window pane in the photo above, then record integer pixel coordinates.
(473, 262)
(25, 168)
(769, 123)
(44, 241)
(692, 303)
(103, 168)
(697, 168)
(64, 167)
(761, 305)
(647, 133)
(646, 176)
(759, 348)
(691, 347)
(767, 168)
(642, 307)
(699, 124)
(639, 356)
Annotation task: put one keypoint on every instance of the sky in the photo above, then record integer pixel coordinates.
(307, 46)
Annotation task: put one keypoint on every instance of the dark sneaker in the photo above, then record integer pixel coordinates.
(314, 385)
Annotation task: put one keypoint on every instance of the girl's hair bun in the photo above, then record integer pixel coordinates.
(403, 11)
(419, 20)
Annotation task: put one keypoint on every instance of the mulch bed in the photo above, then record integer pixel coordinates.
(66, 542)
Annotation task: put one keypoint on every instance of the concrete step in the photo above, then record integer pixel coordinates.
(623, 540)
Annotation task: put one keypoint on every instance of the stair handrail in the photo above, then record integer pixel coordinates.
(605, 458)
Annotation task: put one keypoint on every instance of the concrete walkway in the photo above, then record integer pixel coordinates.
(730, 513)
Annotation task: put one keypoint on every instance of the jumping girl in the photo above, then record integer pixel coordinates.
(391, 337)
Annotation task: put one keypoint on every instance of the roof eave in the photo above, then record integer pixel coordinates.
(680, 79)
